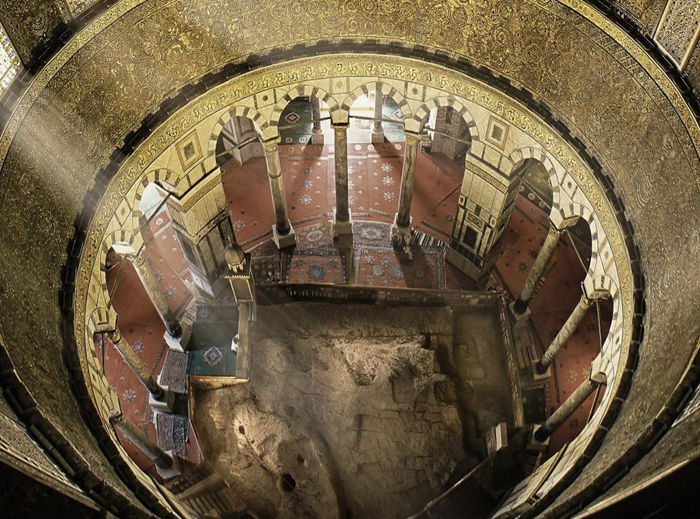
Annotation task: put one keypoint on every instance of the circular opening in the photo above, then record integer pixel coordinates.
(287, 483)
(300, 459)
(241, 429)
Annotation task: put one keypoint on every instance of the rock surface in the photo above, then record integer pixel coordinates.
(347, 414)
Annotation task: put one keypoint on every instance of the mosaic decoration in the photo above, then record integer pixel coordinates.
(79, 6)
(679, 30)
(644, 13)
(9, 61)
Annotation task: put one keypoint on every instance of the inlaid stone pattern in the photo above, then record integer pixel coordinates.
(679, 29)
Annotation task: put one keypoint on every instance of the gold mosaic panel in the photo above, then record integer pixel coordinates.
(77, 7)
(645, 13)
(679, 30)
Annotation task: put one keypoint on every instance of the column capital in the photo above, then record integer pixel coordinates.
(116, 417)
(115, 336)
(139, 258)
(585, 301)
(553, 228)
(412, 135)
(270, 145)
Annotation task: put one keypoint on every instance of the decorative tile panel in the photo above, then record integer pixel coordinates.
(679, 30)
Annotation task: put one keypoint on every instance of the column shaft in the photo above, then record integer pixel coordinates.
(378, 104)
(566, 409)
(274, 174)
(408, 174)
(150, 283)
(342, 211)
(543, 257)
(141, 440)
(316, 114)
(136, 364)
(564, 334)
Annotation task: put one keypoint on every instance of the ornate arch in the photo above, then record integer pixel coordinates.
(260, 123)
(423, 111)
(387, 90)
(302, 90)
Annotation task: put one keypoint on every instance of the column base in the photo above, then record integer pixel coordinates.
(167, 404)
(519, 318)
(536, 375)
(173, 470)
(401, 230)
(535, 444)
(378, 137)
(316, 136)
(173, 342)
(284, 240)
(342, 228)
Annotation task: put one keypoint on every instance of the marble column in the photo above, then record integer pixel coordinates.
(564, 334)
(166, 464)
(283, 234)
(342, 223)
(408, 174)
(566, 409)
(377, 129)
(316, 131)
(150, 283)
(137, 365)
(543, 257)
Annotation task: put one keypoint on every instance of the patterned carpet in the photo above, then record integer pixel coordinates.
(379, 266)
(315, 267)
(316, 236)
